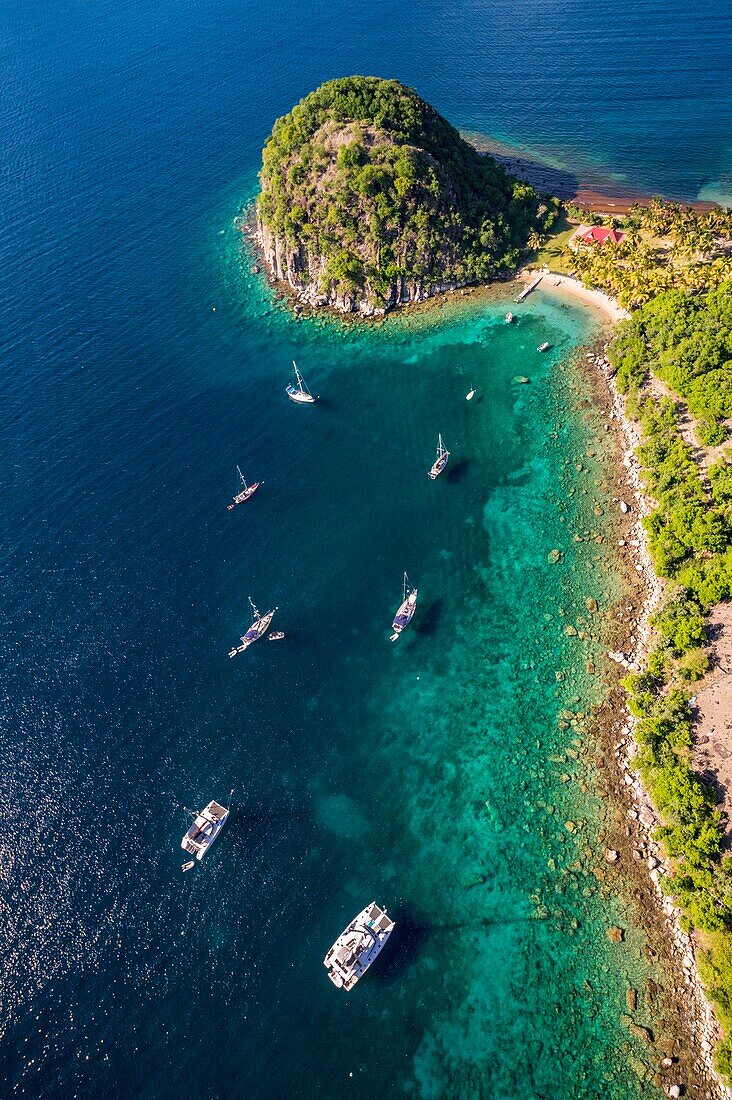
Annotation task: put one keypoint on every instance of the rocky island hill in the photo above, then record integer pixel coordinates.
(370, 199)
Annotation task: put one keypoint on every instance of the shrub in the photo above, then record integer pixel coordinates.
(681, 623)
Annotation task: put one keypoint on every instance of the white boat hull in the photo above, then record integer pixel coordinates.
(299, 397)
(204, 830)
(404, 615)
(357, 946)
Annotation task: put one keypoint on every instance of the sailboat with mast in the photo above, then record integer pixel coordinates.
(257, 630)
(441, 461)
(245, 492)
(298, 390)
(406, 610)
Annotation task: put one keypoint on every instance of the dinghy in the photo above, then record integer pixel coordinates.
(257, 630)
(441, 461)
(298, 391)
(544, 347)
(406, 610)
(244, 493)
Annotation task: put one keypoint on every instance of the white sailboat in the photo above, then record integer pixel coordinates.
(244, 493)
(470, 395)
(441, 461)
(298, 391)
(257, 630)
(406, 610)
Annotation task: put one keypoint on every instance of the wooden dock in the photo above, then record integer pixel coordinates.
(527, 290)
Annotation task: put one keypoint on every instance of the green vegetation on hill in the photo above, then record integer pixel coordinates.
(686, 340)
(366, 184)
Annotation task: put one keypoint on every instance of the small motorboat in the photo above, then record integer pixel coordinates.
(509, 318)
(544, 347)
(407, 607)
(470, 395)
(257, 630)
(244, 493)
(187, 866)
(298, 391)
(441, 461)
(276, 636)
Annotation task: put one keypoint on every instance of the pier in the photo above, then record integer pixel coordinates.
(527, 290)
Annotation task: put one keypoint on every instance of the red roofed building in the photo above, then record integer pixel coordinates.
(595, 234)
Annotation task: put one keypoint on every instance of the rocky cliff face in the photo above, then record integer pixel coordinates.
(306, 274)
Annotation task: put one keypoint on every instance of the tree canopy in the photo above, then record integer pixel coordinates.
(366, 176)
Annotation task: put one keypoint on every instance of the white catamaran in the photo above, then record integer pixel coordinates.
(206, 826)
(406, 610)
(298, 391)
(441, 461)
(258, 629)
(244, 493)
(358, 945)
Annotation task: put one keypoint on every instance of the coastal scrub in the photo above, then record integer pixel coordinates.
(686, 341)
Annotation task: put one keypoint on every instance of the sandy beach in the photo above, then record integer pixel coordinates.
(565, 284)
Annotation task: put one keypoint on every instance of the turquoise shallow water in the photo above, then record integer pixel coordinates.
(431, 775)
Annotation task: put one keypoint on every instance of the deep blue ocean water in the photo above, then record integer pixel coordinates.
(426, 775)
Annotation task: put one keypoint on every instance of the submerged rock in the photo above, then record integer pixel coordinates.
(615, 934)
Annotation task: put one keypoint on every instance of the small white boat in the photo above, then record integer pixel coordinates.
(298, 391)
(276, 636)
(470, 395)
(203, 832)
(245, 492)
(358, 945)
(509, 318)
(407, 607)
(187, 866)
(259, 627)
(544, 347)
(441, 461)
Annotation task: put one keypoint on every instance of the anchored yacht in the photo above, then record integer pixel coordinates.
(358, 945)
(298, 391)
(245, 492)
(406, 610)
(204, 830)
(441, 461)
(259, 627)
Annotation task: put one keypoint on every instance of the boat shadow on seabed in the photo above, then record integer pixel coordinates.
(429, 619)
(407, 941)
(458, 471)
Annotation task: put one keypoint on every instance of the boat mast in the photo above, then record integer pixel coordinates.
(405, 587)
(241, 476)
(300, 382)
(255, 610)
